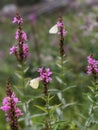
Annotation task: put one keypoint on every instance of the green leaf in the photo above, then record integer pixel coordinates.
(64, 62)
(72, 125)
(18, 90)
(91, 88)
(59, 123)
(26, 69)
(44, 98)
(54, 91)
(69, 104)
(62, 100)
(18, 75)
(95, 107)
(59, 65)
(54, 108)
(51, 98)
(59, 80)
(82, 116)
(38, 115)
(41, 108)
(89, 97)
(96, 95)
(70, 87)
(26, 82)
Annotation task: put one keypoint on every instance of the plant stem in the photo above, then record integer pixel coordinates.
(48, 118)
(48, 114)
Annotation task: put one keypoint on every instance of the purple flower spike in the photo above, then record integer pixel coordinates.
(23, 35)
(9, 106)
(21, 50)
(45, 74)
(92, 67)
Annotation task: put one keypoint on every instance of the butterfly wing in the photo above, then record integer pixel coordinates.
(34, 83)
(54, 29)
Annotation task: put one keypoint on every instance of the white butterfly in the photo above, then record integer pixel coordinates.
(34, 83)
(54, 29)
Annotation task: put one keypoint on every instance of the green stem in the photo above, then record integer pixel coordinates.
(49, 117)
(23, 75)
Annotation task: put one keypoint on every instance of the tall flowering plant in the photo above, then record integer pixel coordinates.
(9, 106)
(63, 72)
(62, 32)
(21, 49)
(45, 77)
(92, 69)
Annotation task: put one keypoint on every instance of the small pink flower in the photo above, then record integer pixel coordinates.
(5, 108)
(18, 112)
(17, 35)
(17, 20)
(15, 99)
(92, 65)
(64, 32)
(45, 74)
(13, 49)
(25, 50)
(23, 35)
(59, 24)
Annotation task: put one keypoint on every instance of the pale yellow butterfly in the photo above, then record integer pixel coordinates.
(54, 29)
(34, 83)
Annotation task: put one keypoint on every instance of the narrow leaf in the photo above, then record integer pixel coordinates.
(54, 108)
(41, 108)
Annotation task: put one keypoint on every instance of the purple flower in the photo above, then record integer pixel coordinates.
(45, 74)
(13, 49)
(25, 50)
(21, 50)
(15, 100)
(17, 35)
(59, 24)
(23, 35)
(17, 20)
(92, 67)
(9, 104)
(18, 112)
(32, 18)
(64, 32)
(5, 108)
